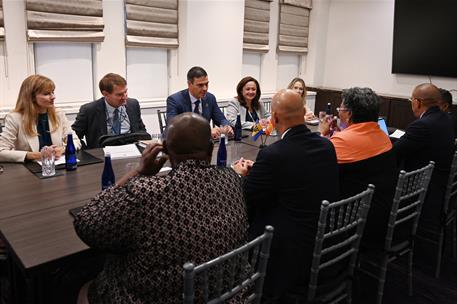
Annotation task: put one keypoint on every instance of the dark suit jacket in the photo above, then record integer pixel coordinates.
(381, 171)
(180, 102)
(285, 188)
(429, 138)
(91, 121)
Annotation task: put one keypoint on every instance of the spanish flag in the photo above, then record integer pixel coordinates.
(269, 129)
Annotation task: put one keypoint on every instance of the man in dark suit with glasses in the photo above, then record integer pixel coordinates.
(113, 114)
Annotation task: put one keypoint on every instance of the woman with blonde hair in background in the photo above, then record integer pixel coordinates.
(298, 85)
(34, 123)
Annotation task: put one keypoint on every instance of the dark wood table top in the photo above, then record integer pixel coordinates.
(34, 213)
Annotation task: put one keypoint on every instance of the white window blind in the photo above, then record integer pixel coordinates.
(69, 65)
(69, 20)
(256, 25)
(152, 23)
(251, 65)
(294, 26)
(288, 67)
(147, 73)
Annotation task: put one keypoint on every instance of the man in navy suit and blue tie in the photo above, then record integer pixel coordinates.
(197, 99)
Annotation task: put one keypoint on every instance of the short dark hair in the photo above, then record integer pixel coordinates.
(239, 91)
(195, 72)
(446, 96)
(363, 104)
(109, 81)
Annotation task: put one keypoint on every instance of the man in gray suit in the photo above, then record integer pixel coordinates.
(112, 114)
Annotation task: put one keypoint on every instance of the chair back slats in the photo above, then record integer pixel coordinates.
(219, 286)
(408, 199)
(337, 258)
(189, 274)
(267, 105)
(339, 231)
(205, 285)
(338, 245)
(162, 118)
(450, 198)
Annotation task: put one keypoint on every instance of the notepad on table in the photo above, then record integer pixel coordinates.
(122, 152)
(397, 134)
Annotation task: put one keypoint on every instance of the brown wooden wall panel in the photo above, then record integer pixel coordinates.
(396, 110)
(400, 115)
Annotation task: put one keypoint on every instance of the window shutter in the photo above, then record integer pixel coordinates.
(152, 23)
(256, 25)
(69, 20)
(294, 26)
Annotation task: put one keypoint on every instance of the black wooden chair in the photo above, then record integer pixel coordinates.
(224, 111)
(162, 118)
(122, 139)
(267, 105)
(339, 231)
(449, 215)
(401, 228)
(241, 270)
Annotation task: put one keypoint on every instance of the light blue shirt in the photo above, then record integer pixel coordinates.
(193, 100)
(123, 117)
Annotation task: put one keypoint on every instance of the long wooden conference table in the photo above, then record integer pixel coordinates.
(37, 228)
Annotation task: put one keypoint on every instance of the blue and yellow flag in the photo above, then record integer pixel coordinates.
(257, 131)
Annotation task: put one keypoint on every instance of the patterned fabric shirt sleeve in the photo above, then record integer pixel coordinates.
(109, 221)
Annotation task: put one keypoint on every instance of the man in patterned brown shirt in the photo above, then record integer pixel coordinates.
(150, 225)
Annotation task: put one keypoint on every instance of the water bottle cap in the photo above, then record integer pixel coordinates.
(222, 135)
(107, 154)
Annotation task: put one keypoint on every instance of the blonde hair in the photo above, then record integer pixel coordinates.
(291, 87)
(27, 105)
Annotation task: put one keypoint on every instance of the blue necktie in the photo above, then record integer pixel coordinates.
(116, 122)
(196, 110)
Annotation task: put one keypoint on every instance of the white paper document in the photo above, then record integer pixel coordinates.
(124, 151)
(165, 169)
(397, 134)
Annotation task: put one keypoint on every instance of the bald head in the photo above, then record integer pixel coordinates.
(189, 137)
(287, 109)
(428, 94)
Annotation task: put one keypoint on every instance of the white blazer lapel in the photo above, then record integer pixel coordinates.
(34, 143)
(56, 136)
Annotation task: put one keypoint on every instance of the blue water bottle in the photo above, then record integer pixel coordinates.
(71, 162)
(108, 178)
(222, 153)
(238, 128)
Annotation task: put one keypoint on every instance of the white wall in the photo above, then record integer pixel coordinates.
(16, 50)
(211, 36)
(350, 44)
(358, 50)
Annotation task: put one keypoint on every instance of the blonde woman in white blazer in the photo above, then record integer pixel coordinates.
(34, 123)
(247, 104)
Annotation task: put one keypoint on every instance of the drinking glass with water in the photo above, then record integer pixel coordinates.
(48, 156)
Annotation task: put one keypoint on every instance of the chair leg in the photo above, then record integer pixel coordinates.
(440, 249)
(382, 279)
(349, 293)
(454, 238)
(410, 272)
